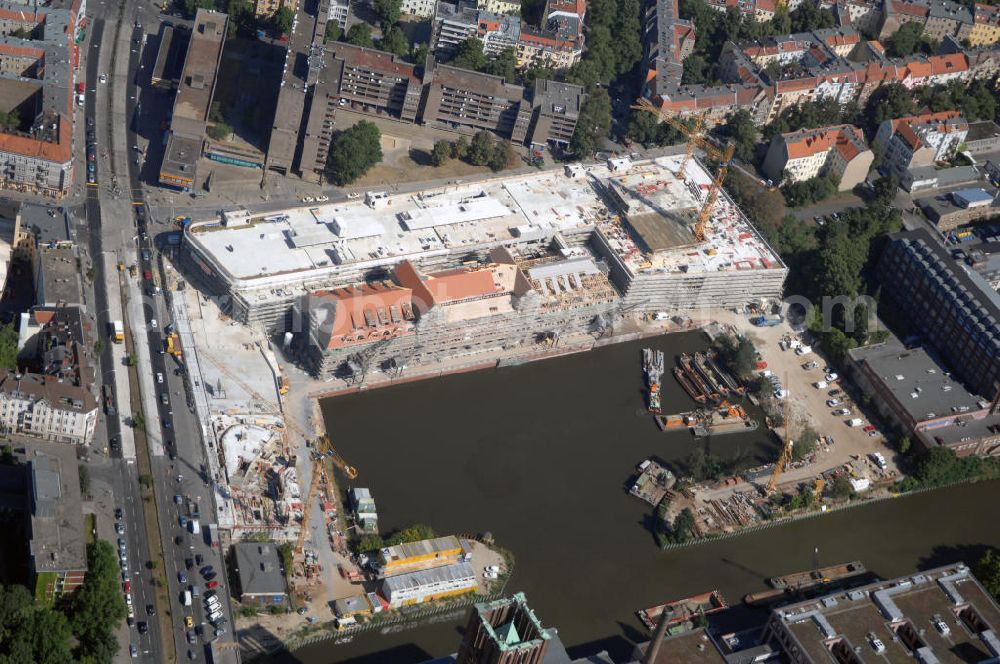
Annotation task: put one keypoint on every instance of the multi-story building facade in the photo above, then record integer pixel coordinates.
(955, 310)
(267, 8)
(557, 109)
(986, 25)
(839, 151)
(39, 57)
(421, 8)
(454, 23)
(338, 12)
(42, 406)
(459, 98)
(920, 140)
(500, 6)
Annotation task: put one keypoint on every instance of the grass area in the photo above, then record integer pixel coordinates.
(45, 588)
(416, 166)
(90, 523)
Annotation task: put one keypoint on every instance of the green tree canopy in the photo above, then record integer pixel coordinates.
(441, 152)
(97, 608)
(220, 131)
(889, 102)
(808, 16)
(503, 65)
(481, 148)
(648, 130)
(283, 19)
(394, 41)
(360, 34)
(593, 123)
(332, 32)
(908, 39)
(8, 347)
(742, 130)
(987, 570)
(30, 632)
(353, 152)
(469, 55)
(388, 11)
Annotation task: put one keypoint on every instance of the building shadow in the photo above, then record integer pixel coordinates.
(947, 554)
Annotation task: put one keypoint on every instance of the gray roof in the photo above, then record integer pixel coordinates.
(259, 567)
(557, 98)
(59, 281)
(48, 228)
(918, 382)
(57, 537)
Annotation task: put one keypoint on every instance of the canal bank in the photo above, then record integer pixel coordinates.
(538, 454)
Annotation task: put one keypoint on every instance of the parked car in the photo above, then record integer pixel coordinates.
(832, 376)
(833, 402)
(842, 412)
(211, 585)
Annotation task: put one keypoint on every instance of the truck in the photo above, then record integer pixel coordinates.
(108, 393)
(765, 321)
(118, 331)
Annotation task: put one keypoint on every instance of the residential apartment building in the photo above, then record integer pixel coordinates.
(421, 8)
(266, 8)
(500, 6)
(986, 25)
(839, 151)
(920, 140)
(557, 46)
(454, 23)
(954, 309)
(338, 12)
(42, 406)
(40, 73)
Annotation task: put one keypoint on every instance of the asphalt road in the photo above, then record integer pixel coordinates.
(125, 481)
(179, 473)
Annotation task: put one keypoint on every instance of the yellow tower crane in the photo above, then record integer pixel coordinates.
(724, 157)
(322, 448)
(786, 451)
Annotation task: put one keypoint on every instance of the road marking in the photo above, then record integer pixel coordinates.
(138, 203)
(93, 184)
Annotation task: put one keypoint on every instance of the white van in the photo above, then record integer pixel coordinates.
(214, 615)
(821, 385)
(803, 350)
(213, 603)
(186, 598)
(195, 526)
(855, 422)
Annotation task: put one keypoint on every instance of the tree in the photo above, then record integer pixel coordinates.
(741, 128)
(414, 533)
(987, 570)
(370, 544)
(841, 488)
(683, 528)
(394, 41)
(283, 19)
(593, 123)
(220, 131)
(146, 481)
(332, 32)
(884, 191)
(469, 55)
(460, 148)
(804, 445)
(481, 149)
(138, 421)
(503, 65)
(360, 34)
(909, 38)
(697, 70)
(648, 130)
(808, 16)
(353, 152)
(30, 632)
(84, 474)
(418, 54)
(96, 608)
(192, 6)
(807, 192)
(889, 102)
(8, 347)
(388, 11)
(10, 119)
(441, 152)
(498, 159)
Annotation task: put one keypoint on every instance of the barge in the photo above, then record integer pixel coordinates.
(799, 585)
(683, 611)
(653, 483)
(687, 367)
(652, 365)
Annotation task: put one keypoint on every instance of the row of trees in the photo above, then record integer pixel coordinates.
(79, 629)
(485, 150)
(807, 192)
(373, 542)
(469, 55)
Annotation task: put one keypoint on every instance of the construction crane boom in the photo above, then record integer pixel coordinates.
(786, 450)
(724, 157)
(322, 446)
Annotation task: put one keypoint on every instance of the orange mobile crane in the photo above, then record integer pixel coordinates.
(321, 446)
(724, 157)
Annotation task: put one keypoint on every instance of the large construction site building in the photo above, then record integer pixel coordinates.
(483, 265)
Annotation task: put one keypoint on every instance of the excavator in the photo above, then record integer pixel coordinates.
(322, 450)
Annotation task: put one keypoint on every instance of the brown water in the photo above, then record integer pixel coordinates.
(539, 455)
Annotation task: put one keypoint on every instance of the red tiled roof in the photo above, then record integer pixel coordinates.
(368, 312)
(808, 143)
(60, 152)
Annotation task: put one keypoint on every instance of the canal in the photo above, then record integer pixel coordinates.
(539, 456)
